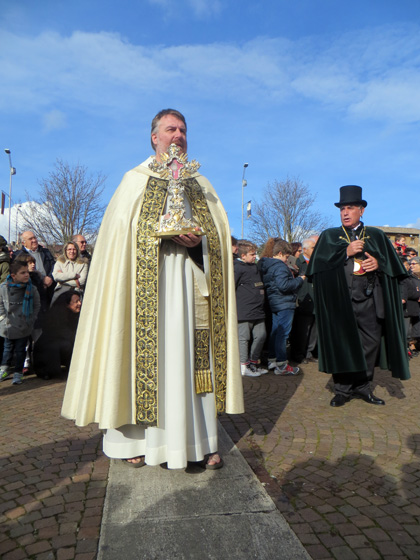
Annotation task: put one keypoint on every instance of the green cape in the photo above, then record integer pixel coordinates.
(339, 346)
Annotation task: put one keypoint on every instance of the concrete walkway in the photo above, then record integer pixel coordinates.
(160, 514)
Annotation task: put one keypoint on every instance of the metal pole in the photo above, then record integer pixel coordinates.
(17, 215)
(242, 207)
(12, 172)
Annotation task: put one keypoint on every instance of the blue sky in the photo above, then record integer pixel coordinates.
(323, 90)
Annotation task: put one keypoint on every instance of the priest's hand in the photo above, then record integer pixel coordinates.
(189, 240)
(355, 247)
(370, 263)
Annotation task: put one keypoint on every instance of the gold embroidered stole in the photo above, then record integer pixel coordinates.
(147, 289)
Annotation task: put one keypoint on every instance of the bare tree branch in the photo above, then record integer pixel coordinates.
(286, 211)
(69, 203)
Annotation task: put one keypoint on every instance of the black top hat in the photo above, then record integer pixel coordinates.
(351, 194)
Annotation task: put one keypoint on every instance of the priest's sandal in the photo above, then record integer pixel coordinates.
(214, 465)
(135, 462)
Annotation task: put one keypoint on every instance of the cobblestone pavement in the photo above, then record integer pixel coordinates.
(53, 476)
(347, 480)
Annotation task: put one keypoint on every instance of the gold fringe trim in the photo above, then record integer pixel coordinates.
(202, 372)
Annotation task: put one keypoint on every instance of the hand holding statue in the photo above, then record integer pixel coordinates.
(188, 240)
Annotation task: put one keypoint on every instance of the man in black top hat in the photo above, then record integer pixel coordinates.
(355, 272)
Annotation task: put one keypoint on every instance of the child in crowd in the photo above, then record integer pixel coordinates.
(37, 282)
(19, 307)
(250, 306)
(281, 289)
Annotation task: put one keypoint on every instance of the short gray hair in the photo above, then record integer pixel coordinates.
(163, 113)
(307, 242)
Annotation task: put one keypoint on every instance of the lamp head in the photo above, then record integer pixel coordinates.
(7, 150)
(245, 165)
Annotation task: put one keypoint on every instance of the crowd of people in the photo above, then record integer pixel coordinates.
(410, 288)
(275, 303)
(40, 302)
(274, 299)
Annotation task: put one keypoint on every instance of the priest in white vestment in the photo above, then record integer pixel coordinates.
(156, 354)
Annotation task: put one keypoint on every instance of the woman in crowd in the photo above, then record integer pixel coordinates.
(55, 346)
(291, 260)
(70, 271)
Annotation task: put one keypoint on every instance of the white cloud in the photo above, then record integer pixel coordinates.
(54, 120)
(372, 74)
(391, 97)
(414, 225)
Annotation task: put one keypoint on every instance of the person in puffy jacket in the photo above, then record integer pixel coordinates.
(19, 307)
(281, 289)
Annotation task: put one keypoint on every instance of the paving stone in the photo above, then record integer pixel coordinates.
(17, 554)
(65, 553)
(308, 538)
(411, 552)
(389, 524)
(367, 554)
(335, 518)
(388, 549)
(38, 547)
(414, 530)
(362, 521)
(357, 541)
(309, 515)
(348, 511)
(63, 541)
(87, 545)
(330, 541)
(343, 553)
(347, 529)
(401, 538)
(318, 552)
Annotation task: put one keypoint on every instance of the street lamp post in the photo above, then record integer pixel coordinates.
(244, 183)
(12, 172)
(18, 207)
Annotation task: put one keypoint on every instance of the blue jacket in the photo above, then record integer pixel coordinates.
(280, 286)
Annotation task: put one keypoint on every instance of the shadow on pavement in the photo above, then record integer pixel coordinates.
(265, 399)
(352, 504)
(382, 378)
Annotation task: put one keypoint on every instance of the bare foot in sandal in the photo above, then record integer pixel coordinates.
(135, 462)
(214, 461)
